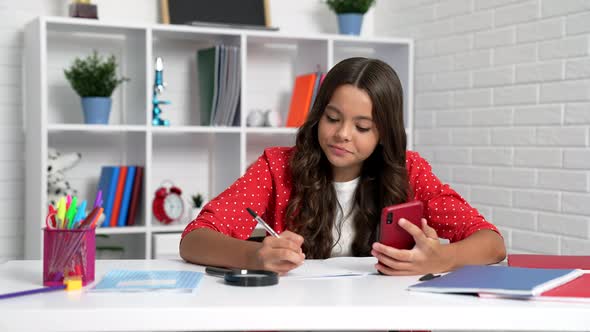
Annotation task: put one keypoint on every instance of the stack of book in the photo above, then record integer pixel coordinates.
(121, 194)
(304, 93)
(528, 277)
(219, 85)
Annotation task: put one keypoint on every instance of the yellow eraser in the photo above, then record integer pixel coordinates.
(73, 283)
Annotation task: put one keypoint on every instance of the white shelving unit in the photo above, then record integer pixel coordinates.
(197, 159)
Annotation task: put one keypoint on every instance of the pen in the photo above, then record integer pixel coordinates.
(98, 200)
(32, 291)
(262, 223)
(71, 212)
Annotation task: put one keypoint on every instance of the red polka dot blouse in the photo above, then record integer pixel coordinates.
(266, 188)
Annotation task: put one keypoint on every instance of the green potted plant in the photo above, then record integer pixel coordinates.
(94, 79)
(350, 14)
(196, 204)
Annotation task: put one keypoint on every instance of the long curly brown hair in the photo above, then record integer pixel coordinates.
(383, 179)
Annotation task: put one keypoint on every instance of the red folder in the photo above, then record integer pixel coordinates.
(577, 288)
(549, 261)
(301, 99)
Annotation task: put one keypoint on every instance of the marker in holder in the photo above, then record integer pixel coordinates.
(68, 253)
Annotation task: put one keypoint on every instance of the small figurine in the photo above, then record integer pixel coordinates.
(159, 86)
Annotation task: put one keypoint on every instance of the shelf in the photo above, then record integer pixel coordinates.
(121, 230)
(168, 228)
(271, 130)
(193, 129)
(197, 159)
(95, 128)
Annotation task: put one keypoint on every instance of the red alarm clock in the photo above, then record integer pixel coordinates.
(168, 205)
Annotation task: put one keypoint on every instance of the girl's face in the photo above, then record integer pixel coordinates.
(346, 131)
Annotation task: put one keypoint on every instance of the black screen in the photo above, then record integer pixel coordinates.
(217, 11)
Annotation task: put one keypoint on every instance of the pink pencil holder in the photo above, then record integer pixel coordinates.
(68, 253)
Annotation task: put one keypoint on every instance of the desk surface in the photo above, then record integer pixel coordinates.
(347, 303)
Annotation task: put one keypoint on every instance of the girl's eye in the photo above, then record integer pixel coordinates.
(362, 129)
(331, 119)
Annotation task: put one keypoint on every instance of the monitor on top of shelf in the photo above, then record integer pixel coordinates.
(242, 14)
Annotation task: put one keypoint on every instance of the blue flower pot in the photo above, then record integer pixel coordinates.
(96, 110)
(350, 24)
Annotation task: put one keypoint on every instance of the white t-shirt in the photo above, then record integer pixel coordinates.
(343, 232)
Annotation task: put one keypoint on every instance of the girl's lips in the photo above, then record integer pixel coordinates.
(338, 151)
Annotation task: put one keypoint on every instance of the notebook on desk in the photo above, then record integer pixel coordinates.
(549, 261)
(501, 280)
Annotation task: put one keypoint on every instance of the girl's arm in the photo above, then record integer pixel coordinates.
(207, 247)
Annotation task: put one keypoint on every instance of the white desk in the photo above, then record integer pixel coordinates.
(348, 303)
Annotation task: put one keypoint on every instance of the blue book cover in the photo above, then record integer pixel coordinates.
(109, 176)
(124, 208)
(498, 280)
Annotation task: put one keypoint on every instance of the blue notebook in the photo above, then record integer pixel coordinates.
(149, 281)
(498, 280)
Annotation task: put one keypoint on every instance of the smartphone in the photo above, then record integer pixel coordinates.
(391, 233)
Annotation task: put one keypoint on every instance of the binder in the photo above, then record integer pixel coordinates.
(118, 196)
(109, 177)
(498, 280)
(207, 67)
(135, 196)
(549, 261)
(301, 99)
(124, 209)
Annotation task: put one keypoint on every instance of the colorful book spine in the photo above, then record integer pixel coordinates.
(135, 196)
(124, 208)
(108, 185)
(118, 196)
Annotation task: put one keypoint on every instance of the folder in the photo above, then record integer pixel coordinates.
(124, 209)
(109, 177)
(135, 196)
(118, 196)
(549, 261)
(207, 62)
(499, 280)
(301, 99)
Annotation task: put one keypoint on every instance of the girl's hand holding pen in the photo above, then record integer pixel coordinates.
(280, 255)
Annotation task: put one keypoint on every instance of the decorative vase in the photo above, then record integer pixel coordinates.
(96, 109)
(350, 24)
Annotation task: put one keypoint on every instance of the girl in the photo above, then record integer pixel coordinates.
(324, 196)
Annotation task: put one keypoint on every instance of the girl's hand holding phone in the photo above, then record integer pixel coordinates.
(282, 254)
(427, 256)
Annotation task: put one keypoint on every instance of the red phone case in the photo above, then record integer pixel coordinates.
(391, 233)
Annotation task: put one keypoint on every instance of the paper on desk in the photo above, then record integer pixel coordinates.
(334, 267)
(148, 281)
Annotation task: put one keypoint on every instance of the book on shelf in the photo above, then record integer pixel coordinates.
(124, 209)
(549, 261)
(118, 196)
(301, 99)
(498, 280)
(208, 76)
(135, 196)
(121, 187)
(109, 176)
(219, 69)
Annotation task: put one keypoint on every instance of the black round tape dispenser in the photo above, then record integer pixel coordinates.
(243, 277)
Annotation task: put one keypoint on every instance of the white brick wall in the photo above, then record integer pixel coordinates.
(503, 110)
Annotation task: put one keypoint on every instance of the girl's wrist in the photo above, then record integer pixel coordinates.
(449, 257)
